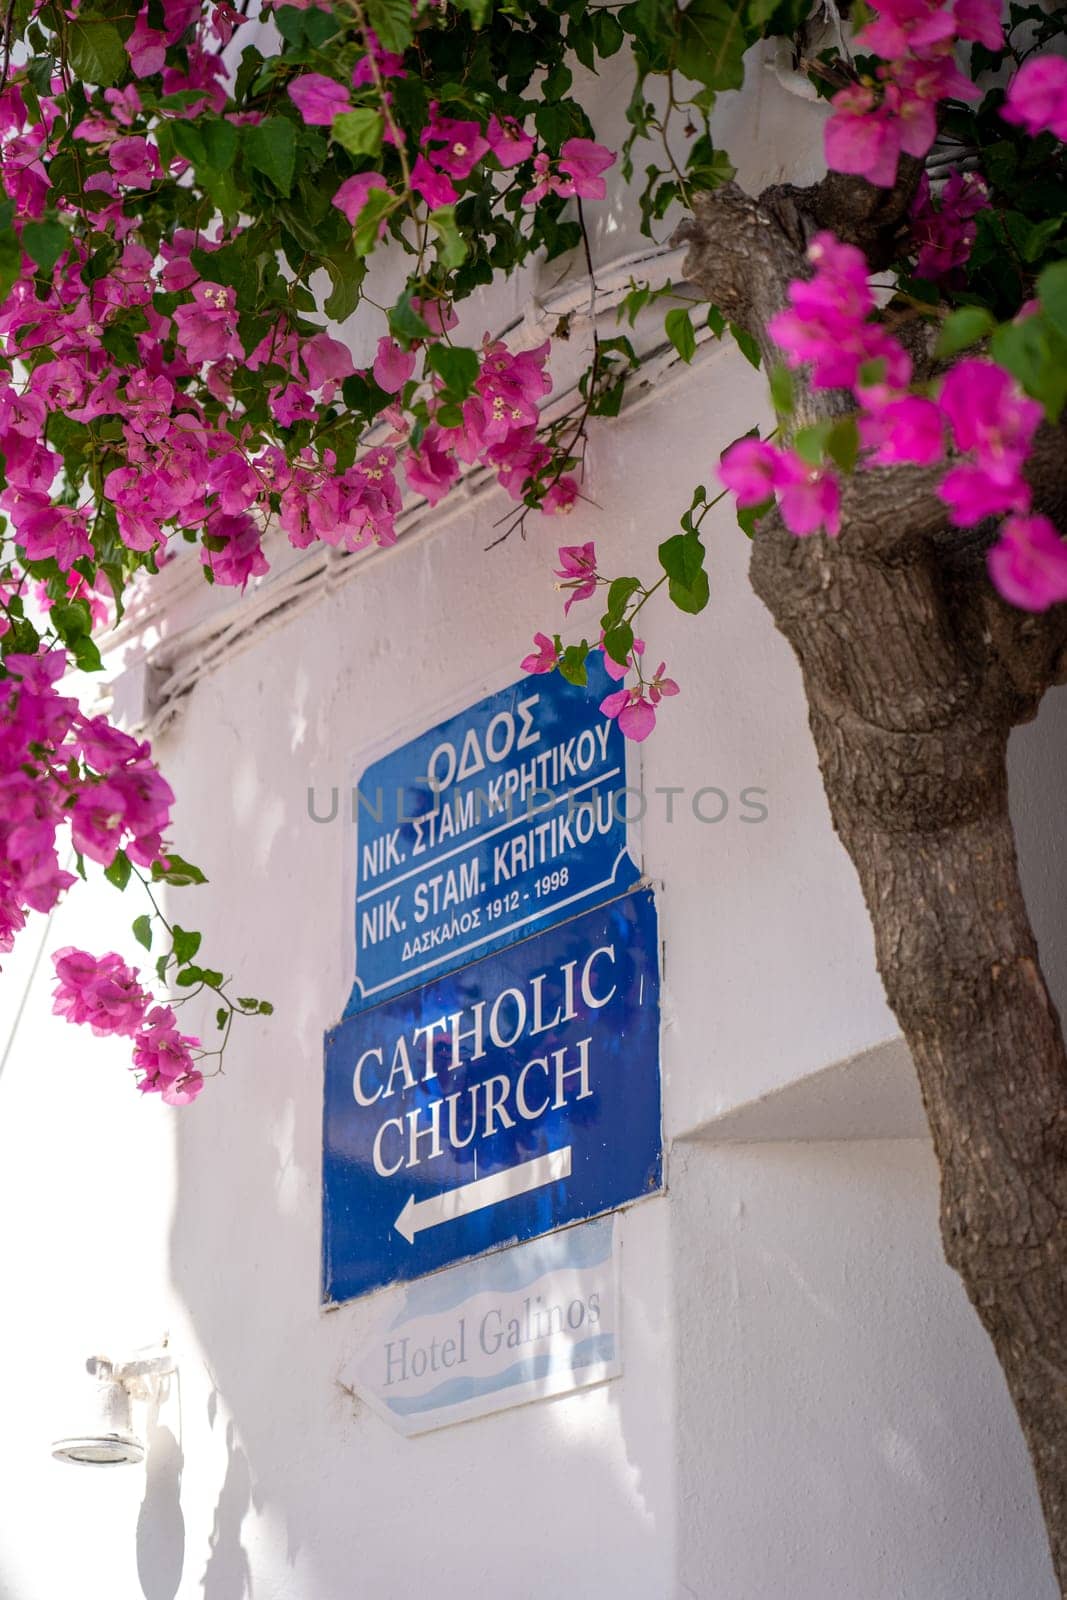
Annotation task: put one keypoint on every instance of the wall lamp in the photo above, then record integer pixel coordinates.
(107, 1436)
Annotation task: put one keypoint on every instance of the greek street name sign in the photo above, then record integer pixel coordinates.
(496, 823)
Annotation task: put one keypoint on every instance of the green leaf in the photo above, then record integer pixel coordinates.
(748, 516)
(270, 147)
(221, 1018)
(843, 443)
(618, 642)
(712, 41)
(1052, 293)
(347, 272)
(1035, 352)
(456, 366)
(391, 21)
(405, 322)
(220, 144)
(176, 871)
(119, 871)
(451, 246)
(619, 595)
(186, 945)
(378, 205)
(810, 443)
(312, 26)
(44, 243)
(266, 1009)
(1038, 236)
(962, 328)
(478, 11)
(572, 664)
(142, 930)
(679, 330)
(782, 390)
(10, 262)
(607, 32)
(682, 559)
(96, 52)
(188, 976)
(746, 344)
(86, 655)
(359, 131)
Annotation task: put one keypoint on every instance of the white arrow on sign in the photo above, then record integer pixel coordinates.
(420, 1214)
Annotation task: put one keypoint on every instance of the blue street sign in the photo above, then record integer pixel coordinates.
(495, 1104)
(501, 821)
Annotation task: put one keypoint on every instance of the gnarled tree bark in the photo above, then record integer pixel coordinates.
(915, 674)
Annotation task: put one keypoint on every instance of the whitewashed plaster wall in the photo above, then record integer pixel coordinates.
(808, 1409)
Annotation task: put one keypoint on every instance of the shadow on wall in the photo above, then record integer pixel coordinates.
(160, 1523)
(228, 1573)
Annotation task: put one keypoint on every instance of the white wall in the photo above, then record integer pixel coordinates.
(808, 1408)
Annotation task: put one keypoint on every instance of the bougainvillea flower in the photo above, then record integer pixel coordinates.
(577, 570)
(908, 429)
(351, 197)
(582, 161)
(544, 658)
(433, 186)
(1028, 563)
(1037, 97)
(318, 99)
(510, 144)
(453, 146)
(392, 366)
(633, 710)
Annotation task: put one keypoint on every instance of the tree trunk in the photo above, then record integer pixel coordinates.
(915, 674)
(917, 785)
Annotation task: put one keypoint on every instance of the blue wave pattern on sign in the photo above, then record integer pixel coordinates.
(495, 1104)
(498, 822)
(508, 1270)
(589, 1353)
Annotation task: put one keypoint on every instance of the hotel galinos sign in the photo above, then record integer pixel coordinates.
(494, 1104)
(495, 824)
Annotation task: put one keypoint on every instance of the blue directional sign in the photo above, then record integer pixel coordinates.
(501, 821)
(494, 1104)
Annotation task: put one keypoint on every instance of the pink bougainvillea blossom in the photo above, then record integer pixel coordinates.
(207, 329)
(392, 366)
(579, 167)
(387, 62)
(1028, 563)
(431, 470)
(561, 497)
(351, 197)
(318, 99)
(452, 146)
(944, 229)
(577, 572)
(749, 470)
(877, 120)
(102, 992)
(582, 161)
(509, 142)
(809, 497)
(544, 658)
(431, 185)
(906, 429)
(1037, 96)
(163, 1056)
